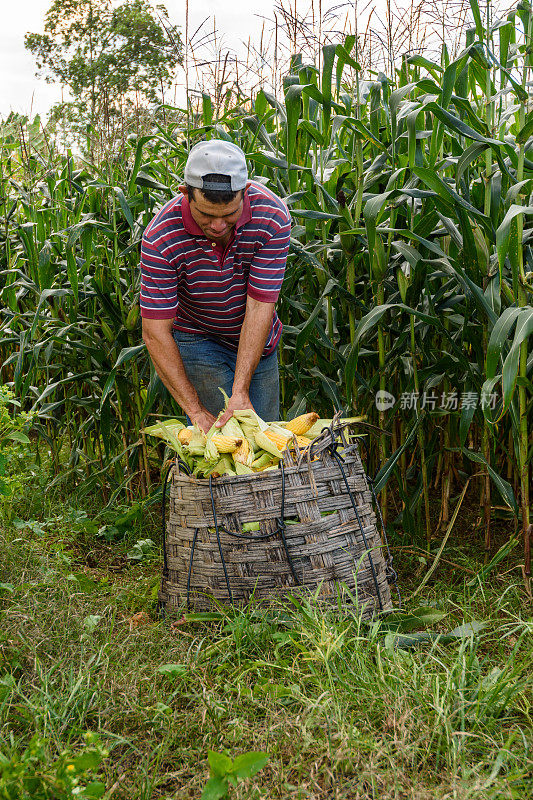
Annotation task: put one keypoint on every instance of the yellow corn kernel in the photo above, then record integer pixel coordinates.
(302, 423)
(242, 453)
(185, 435)
(225, 444)
(277, 439)
(302, 441)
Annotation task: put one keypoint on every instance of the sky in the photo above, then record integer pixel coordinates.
(235, 23)
(22, 92)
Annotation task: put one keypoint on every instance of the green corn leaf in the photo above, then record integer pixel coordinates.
(386, 470)
(125, 207)
(498, 339)
(504, 231)
(146, 181)
(504, 488)
(474, 7)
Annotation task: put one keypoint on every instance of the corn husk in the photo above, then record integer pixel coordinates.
(266, 444)
(263, 461)
(196, 446)
(173, 424)
(243, 469)
(250, 527)
(316, 429)
(224, 466)
(250, 421)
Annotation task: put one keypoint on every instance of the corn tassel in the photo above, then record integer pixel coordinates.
(301, 424)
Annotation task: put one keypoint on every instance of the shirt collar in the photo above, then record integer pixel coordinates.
(191, 227)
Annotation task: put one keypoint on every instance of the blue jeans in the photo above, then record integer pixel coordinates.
(210, 364)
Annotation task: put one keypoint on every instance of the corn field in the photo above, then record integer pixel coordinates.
(409, 279)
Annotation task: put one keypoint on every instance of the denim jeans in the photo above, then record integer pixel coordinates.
(209, 364)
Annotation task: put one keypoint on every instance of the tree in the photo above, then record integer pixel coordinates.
(113, 59)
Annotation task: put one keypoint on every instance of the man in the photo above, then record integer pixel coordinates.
(212, 263)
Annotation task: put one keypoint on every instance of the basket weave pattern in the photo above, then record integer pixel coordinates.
(323, 536)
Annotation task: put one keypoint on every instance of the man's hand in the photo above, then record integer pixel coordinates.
(203, 419)
(237, 402)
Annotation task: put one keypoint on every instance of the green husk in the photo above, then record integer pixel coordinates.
(264, 443)
(250, 421)
(264, 460)
(224, 465)
(250, 527)
(155, 430)
(316, 429)
(243, 469)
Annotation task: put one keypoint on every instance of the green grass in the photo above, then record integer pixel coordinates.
(340, 712)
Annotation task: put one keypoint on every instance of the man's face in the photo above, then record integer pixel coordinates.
(216, 220)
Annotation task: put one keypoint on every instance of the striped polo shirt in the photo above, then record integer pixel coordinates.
(203, 286)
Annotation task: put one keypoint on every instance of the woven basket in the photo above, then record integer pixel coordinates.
(329, 540)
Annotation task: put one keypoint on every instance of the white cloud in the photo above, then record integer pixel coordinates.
(21, 91)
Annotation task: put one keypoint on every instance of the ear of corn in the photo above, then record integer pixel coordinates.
(316, 429)
(302, 442)
(301, 424)
(185, 435)
(172, 424)
(266, 444)
(225, 444)
(277, 439)
(243, 454)
(196, 445)
(230, 449)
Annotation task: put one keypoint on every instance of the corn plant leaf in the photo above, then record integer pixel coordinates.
(146, 181)
(504, 231)
(468, 410)
(524, 329)
(125, 207)
(387, 469)
(498, 339)
(474, 7)
(504, 488)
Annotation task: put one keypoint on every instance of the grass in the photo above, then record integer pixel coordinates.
(341, 712)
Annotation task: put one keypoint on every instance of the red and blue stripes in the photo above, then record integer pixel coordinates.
(204, 288)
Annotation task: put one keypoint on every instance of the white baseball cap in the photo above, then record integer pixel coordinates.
(216, 157)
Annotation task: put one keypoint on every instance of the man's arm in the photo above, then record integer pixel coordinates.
(165, 354)
(254, 332)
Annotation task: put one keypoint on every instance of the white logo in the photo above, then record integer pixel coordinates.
(384, 400)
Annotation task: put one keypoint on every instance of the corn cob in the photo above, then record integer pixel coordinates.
(302, 442)
(225, 444)
(185, 435)
(277, 439)
(242, 453)
(301, 424)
